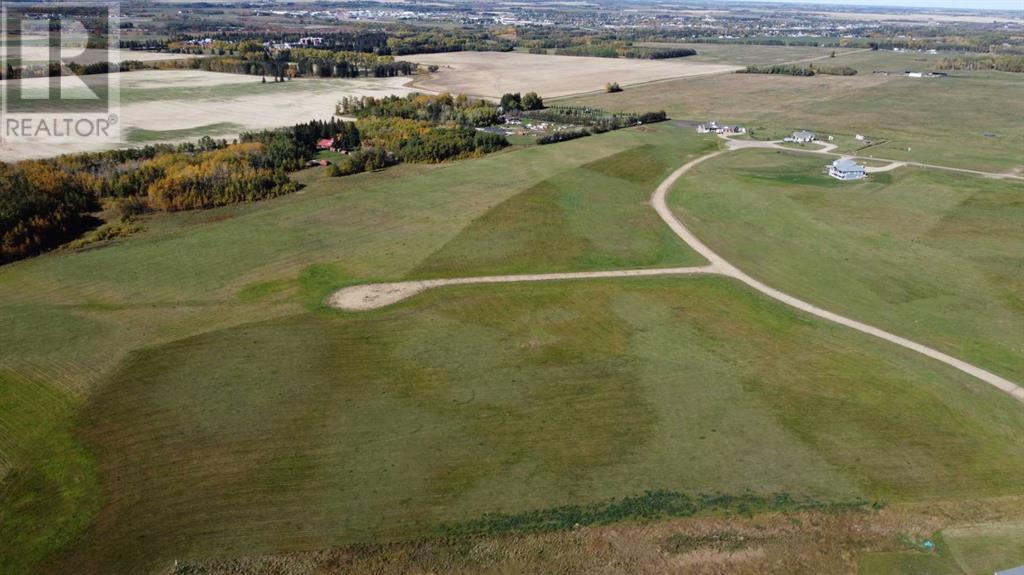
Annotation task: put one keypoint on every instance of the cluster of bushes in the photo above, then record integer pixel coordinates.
(442, 109)
(362, 160)
(238, 173)
(516, 101)
(796, 70)
(1009, 63)
(41, 207)
(612, 87)
(424, 128)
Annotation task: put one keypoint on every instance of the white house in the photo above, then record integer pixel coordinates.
(845, 169)
(801, 137)
(715, 128)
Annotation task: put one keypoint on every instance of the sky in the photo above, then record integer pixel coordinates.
(1017, 5)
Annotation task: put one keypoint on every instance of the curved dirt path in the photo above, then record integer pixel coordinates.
(826, 149)
(721, 266)
(372, 296)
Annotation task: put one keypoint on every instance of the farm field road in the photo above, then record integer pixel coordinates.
(371, 296)
(827, 149)
(725, 268)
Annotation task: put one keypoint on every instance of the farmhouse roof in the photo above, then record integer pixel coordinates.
(847, 165)
(803, 134)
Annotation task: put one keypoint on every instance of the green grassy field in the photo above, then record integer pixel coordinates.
(929, 255)
(987, 548)
(182, 393)
(941, 121)
(316, 430)
(589, 218)
(71, 318)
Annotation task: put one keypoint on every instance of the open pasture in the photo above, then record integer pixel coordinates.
(930, 255)
(492, 74)
(302, 432)
(987, 547)
(192, 398)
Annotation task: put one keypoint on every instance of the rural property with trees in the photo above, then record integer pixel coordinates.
(511, 287)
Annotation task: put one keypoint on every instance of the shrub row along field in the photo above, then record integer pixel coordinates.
(189, 397)
(867, 541)
(795, 70)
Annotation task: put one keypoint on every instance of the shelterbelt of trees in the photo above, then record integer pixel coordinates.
(252, 57)
(592, 120)
(1009, 63)
(799, 70)
(622, 50)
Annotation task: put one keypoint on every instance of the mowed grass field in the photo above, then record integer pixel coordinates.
(970, 120)
(930, 255)
(309, 431)
(182, 394)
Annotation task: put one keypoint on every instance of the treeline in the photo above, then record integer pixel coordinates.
(563, 136)
(515, 101)
(797, 70)
(624, 50)
(442, 109)
(308, 62)
(54, 69)
(1000, 63)
(594, 120)
(417, 40)
(46, 203)
(424, 128)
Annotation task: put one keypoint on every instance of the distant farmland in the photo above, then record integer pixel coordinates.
(172, 105)
(494, 73)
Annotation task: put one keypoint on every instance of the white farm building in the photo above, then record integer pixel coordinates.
(846, 169)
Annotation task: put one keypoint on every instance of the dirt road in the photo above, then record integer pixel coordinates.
(721, 266)
(371, 296)
(827, 149)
